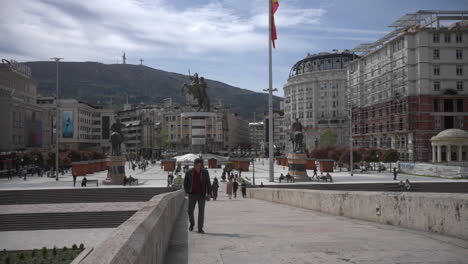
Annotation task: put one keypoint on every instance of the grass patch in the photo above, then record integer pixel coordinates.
(41, 256)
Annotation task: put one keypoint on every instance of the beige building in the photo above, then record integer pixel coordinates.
(82, 126)
(236, 132)
(411, 84)
(257, 137)
(280, 131)
(315, 94)
(26, 124)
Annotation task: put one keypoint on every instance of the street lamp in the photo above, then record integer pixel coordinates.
(253, 171)
(57, 60)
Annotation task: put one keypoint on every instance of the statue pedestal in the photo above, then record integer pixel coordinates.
(115, 170)
(297, 163)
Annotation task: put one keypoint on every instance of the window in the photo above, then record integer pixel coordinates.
(459, 38)
(459, 105)
(459, 85)
(435, 38)
(459, 69)
(436, 70)
(437, 85)
(436, 54)
(448, 105)
(436, 105)
(447, 37)
(459, 54)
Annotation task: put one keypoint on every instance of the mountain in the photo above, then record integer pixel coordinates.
(104, 84)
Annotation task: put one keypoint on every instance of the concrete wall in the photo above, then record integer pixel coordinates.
(143, 238)
(441, 213)
(440, 170)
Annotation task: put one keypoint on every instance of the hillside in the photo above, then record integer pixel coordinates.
(103, 84)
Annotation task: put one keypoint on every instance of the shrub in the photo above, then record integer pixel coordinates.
(390, 155)
(74, 247)
(54, 251)
(33, 253)
(44, 252)
(21, 256)
(65, 249)
(81, 246)
(7, 260)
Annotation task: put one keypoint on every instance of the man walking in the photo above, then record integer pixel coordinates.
(198, 187)
(394, 174)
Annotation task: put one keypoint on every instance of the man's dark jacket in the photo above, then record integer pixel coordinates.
(204, 178)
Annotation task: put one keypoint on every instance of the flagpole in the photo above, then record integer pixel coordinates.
(270, 93)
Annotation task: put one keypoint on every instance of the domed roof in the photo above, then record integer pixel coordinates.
(322, 61)
(451, 134)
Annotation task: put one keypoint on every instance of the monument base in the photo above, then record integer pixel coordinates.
(297, 164)
(115, 170)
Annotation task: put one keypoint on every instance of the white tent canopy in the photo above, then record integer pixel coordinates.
(190, 158)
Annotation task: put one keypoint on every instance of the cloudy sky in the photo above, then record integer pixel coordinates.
(225, 40)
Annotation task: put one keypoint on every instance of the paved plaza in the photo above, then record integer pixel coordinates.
(255, 231)
(155, 176)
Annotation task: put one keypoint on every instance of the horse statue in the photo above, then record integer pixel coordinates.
(116, 138)
(296, 136)
(197, 88)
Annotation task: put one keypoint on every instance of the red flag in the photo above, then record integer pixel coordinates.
(274, 7)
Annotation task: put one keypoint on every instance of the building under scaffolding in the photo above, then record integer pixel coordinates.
(411, 84)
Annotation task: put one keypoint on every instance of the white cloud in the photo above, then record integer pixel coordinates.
(82, 30)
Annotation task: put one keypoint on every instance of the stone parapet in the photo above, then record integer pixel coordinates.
(143, 238)
(441, 213)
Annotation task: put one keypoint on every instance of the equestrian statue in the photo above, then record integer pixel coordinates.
(197, 88)
(296, 137)
(116, 138)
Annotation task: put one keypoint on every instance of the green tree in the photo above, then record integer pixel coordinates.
(329, 137)
(161, 138)
(390, 155)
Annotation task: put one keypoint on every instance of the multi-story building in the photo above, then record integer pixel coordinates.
(257, 137)
(82, 126)
(411, 84)
(26, 124)
(280, 131)
(236, 132)
(315, 94)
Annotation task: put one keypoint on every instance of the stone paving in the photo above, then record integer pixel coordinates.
(155, 176)
(254, 231)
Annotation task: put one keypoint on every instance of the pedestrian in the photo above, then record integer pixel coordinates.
(74, 179)
(315, 172)
(83, 182)
(235, 186)
(281, 177)
(229, 188)
(198, 187)
(394, 174)
(215, 187)
(244, 189)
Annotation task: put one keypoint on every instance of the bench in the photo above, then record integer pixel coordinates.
(90, 181)
(325, 178)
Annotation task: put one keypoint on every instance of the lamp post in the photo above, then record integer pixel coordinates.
(253, 171)
(57, 134)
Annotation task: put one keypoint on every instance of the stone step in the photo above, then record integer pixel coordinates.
(71, 220)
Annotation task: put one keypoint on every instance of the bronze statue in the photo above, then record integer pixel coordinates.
(116, 138)
(296, 136)
(197, 88)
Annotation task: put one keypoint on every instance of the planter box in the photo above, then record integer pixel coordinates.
(212, 163)
(310, 164)
(169, 164)
(326, 165)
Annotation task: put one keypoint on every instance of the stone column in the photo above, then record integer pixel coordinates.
(439, 153)
(460, 150)
(449, 153)
(434, 154)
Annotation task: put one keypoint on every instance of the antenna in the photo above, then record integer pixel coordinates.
(141, 61)
(124, 58)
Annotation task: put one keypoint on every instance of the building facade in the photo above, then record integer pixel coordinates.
(257, 137)
(280, 131)
(82, 126)
(316, 94)
(411, 84)
(26, 124)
